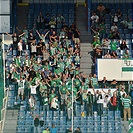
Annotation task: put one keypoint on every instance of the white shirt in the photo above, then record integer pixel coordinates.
(94, 18)
(33, 89)
(105, 102)
(33, 48)
(32, 102)
(20, 46)
(122, 92)
(21, 84)
(114, 28)
(115, 18)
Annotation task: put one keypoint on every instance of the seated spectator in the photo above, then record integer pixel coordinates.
(126, 54)
(107, 55)
(123, 45)
(60, 19)
(69, 130)
(46, 130)
(52, 22)
(114, 55)
(53, 129)
(101, 12)
(77, 130)
(94, 20)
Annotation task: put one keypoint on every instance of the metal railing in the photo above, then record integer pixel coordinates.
(3, 112)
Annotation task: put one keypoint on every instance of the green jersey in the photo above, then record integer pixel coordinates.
(113, 46)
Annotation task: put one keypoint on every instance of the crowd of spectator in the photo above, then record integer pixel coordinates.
(108, 44)
(42, 70)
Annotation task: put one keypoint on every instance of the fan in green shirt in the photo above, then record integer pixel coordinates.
(17, 61)
(94, 81)
(96, 44)
(63, 89)
(52, 95)
(61, 64)
(113, 45)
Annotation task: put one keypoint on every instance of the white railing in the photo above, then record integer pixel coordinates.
(3, 112)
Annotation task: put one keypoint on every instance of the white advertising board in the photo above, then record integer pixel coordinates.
(4, 6)
(121, 70)
(5, 24)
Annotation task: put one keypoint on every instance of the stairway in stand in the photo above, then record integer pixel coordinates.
(86, 38)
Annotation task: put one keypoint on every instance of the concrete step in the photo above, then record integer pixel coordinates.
(85, 65)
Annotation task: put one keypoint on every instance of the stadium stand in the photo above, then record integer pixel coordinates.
(43, 72)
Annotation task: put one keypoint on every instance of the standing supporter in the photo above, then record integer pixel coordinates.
(36, 124)
(40, 21)
(54, 103)
(21, 86)
(76, 36)
(130, 89)
(106, 100)
(102, 30)
(126, 102)
(15, 39)
(101, 12)
(94, 20)
(20, 48)
(89, 104)
(33, 88)
(32, 102)
(69, 108)
(95, 81)
(114, 102)
(39, 47)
